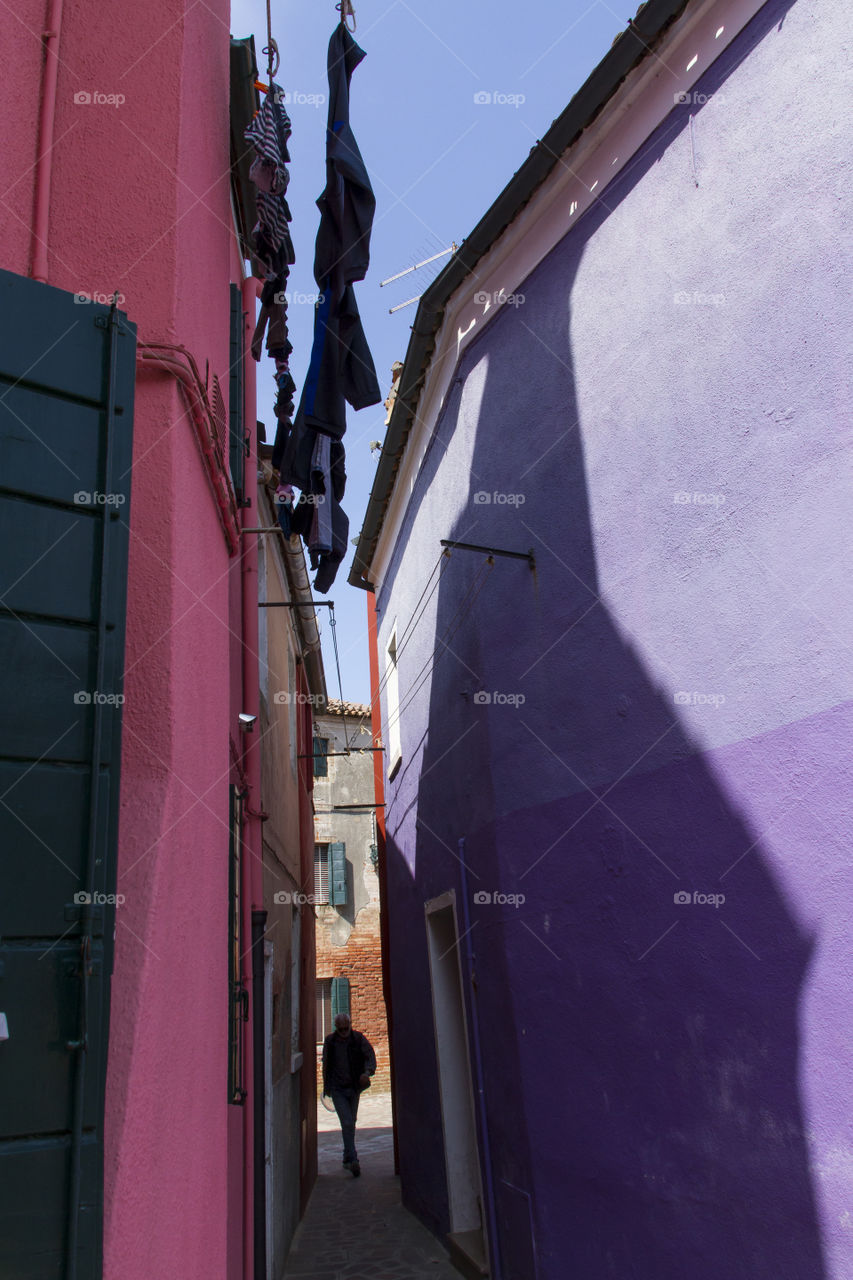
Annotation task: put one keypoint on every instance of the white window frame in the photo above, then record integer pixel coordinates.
(392, 702)
(321, 865)
(322, 1030)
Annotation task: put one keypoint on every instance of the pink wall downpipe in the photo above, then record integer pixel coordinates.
(44, 163)
(252, 860)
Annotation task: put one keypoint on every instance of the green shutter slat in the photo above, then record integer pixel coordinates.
(321, 764)
(338, 874)
(340, 996)
(236, 428)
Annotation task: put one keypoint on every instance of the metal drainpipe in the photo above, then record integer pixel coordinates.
(259, 920)
(44, 163)
(494, 1251)
(252, 860)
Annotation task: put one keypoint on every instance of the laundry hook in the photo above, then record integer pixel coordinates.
(346, 12)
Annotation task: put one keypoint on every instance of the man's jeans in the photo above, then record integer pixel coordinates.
(346, 1105)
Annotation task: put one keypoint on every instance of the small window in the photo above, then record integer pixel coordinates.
(321, 764)
(392, 694)
(321, 873)
(324, 1008)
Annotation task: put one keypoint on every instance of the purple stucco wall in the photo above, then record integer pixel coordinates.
(666, 1082)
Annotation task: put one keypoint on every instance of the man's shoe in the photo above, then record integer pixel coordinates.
(355, 1169)
(347, 1164)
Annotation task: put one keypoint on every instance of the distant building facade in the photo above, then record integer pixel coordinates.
(346, 882)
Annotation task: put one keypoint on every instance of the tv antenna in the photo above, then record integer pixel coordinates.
(409, 270)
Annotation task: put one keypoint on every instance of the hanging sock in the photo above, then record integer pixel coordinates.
(320, 539)
(285, 498)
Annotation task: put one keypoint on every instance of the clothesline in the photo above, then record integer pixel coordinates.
(271, 48)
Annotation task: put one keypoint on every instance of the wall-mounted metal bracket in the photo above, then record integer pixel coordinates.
(492, 551)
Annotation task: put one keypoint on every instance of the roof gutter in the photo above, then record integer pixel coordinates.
(630, 48)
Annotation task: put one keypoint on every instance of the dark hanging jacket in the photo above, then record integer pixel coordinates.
(341, 367)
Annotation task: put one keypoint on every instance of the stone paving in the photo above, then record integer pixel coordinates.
(356, 1228)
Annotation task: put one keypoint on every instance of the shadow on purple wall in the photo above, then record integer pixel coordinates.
(640, 1055)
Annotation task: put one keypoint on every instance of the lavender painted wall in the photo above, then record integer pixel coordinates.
(665, 1081)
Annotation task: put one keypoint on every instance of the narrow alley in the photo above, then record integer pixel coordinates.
(356, 1228)
(425, 640)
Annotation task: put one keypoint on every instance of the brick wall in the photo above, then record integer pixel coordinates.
(360, 961)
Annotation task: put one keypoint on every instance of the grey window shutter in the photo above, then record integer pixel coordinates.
(338, 874)
(340, 997)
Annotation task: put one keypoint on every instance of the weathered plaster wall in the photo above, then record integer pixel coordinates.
(666, 421)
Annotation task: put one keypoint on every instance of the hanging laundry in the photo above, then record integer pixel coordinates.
(320, 538)
(285, 499)
(328, 565)
(341, 367)
(269, 133)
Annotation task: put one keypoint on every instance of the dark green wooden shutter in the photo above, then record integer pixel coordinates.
(340, 997)
(338, 874)
(236, 425)
(67, 378)
(321, 764)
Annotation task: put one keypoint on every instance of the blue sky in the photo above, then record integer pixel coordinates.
(437, 154)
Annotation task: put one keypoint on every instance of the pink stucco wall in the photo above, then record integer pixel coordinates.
(140, 204)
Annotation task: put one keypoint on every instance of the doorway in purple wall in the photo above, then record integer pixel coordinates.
(467, 1237)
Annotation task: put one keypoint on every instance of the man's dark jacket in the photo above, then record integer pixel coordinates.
(362, 1059)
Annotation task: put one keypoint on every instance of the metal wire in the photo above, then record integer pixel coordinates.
(443, 642)
(333, 624)
(409, 630)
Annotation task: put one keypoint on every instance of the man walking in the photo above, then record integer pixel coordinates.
(348, 1064)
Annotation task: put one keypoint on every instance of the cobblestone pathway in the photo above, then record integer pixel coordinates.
(356, 1228)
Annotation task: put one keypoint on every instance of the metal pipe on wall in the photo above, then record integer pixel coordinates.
(44, 161)
(251, 862)
(259, 920)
